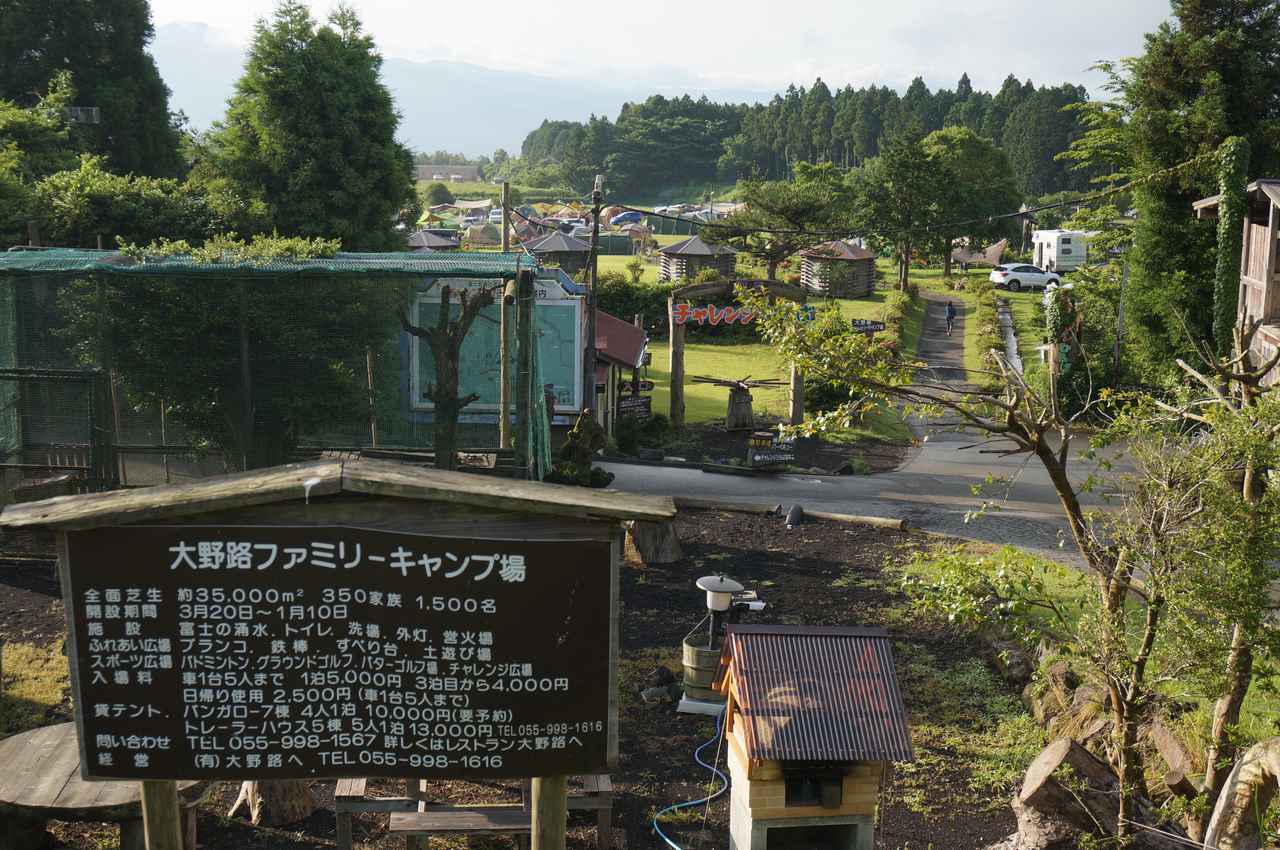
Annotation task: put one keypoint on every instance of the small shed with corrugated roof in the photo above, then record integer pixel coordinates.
(839, 269)
(813, 719)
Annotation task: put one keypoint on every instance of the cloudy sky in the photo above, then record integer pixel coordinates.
(751, 44)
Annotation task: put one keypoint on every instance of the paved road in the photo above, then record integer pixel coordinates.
(933, 490)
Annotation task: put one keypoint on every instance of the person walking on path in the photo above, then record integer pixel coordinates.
(951, 316)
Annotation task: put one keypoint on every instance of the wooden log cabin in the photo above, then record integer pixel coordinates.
(561, 249)
(839, 269)
(683, 260)
(814, 718)
(1259, 275)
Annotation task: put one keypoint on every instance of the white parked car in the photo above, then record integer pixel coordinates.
(1018, 276)
(495, 216)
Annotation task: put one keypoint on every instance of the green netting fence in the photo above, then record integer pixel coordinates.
(176, 371)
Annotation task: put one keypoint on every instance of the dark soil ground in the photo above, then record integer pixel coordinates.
(820, 573)
(714, 444)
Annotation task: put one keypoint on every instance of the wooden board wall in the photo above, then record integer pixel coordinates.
(766, 789)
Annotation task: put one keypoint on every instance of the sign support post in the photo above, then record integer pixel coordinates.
(508, 297)
(161, 815)
(550, 812)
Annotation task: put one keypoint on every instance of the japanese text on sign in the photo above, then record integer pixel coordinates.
(710, 314)
(297, 651)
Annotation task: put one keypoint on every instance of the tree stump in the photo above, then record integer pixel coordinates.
(656, 542)
(1248, 791)
(1039, 830)
(275, 802)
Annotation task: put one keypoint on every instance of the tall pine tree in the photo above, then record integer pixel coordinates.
(310, 132)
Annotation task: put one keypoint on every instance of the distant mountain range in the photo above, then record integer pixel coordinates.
(452, 106)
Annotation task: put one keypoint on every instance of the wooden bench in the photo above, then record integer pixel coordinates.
(418, 826)
(593, 792)
(40, 781)
(352, 796)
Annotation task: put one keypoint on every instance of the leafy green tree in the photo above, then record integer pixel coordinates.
(978, 185)
(1037, 130)
(585, 153)
(310, 132)
(818, 114)
(441, 157)
(438, 193)
(1233, 176)
(104, 47)
(39, 135)
(78, 206)
(1210, 73)
(1010, 96)
(788, 211)
(897, 194)
(34, 142)
(15, 198)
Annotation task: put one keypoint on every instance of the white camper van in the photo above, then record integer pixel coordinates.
(1059, 250)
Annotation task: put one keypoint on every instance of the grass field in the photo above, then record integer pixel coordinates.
(706, 403)
(1026, 321)
(477, 189)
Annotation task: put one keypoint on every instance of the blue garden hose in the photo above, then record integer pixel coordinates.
(724, 784)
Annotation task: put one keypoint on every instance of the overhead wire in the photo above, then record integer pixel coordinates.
(1082, 200)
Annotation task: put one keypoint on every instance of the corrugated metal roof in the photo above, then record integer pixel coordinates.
(454, 264)
(816, 693)
(619, 341)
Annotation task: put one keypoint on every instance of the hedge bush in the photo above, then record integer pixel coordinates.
(987, 316)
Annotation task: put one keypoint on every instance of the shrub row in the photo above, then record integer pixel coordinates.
(898, 305)
(987, 315)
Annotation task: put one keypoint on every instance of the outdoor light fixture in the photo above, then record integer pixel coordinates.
(726, 602)
(720, 590)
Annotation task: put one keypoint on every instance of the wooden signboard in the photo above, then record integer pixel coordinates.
(867, 326)
(277, 651)
(766, 449)
(636, 406)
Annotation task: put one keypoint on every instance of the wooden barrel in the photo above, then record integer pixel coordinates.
(700, 666)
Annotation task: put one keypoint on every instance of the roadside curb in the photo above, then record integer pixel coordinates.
(724, 469)
(696, 503)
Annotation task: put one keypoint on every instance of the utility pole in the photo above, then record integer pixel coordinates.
(506, 216)
(504, 332)
(589, 368)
